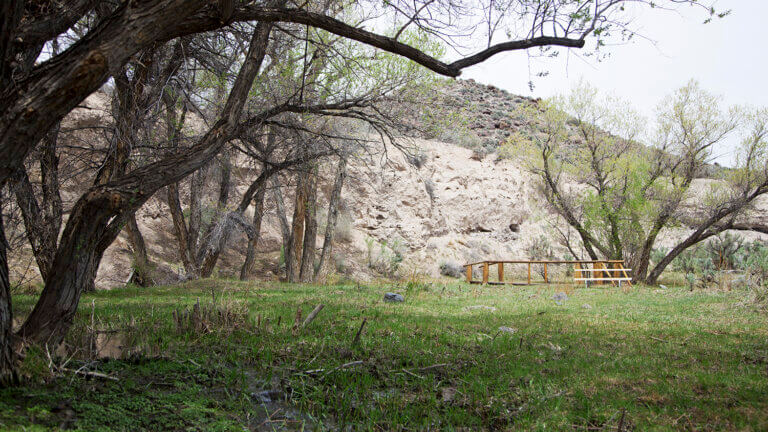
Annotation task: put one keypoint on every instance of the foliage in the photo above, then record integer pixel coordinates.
(723, 250)
(390, 255)
(619, 194)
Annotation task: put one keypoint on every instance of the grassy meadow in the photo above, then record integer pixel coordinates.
(451, 357)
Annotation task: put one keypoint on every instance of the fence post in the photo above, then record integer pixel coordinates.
(546, 279)
(485, 273)
(501, 271)
(529, 273)
(469, 273)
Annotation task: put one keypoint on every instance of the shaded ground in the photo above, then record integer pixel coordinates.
(603, 359)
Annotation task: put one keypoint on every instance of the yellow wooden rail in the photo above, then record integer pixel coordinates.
(601, 271)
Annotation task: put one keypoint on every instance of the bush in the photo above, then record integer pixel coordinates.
(756, 273)
(390, 255)
(540, 249)
(723, 249)
(451, 269)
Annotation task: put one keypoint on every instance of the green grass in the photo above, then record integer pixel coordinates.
(647, 359)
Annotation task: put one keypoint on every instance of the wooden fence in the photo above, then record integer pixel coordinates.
(589, 272)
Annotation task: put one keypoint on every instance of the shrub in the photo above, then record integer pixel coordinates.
(723, 249)
(756, 274)
(540, 249)
(451, 269)
(390, 255)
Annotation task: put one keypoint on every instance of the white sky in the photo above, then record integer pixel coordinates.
(727, 56)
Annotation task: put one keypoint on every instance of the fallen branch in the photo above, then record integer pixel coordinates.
(356, 340)
(434, 366)
(92, 374)
(344, 366)
(412, 374)
(312, 315)
(318, 371)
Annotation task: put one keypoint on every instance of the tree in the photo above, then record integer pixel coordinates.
(619, 194)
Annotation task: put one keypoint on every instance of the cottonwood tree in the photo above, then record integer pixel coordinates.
(39, 91)
(618, 194)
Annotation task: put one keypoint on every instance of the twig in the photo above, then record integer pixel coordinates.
(621, 420)
(434, 366)
(657, 339)
(93, 374)
(344, 366)
(356, 340)
(312, 315)
(412, 374)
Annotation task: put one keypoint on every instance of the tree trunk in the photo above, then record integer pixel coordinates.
(8, 376)
(195, 213)
(90, 229)
(297, 229)
(333, 213)
(285, 229)
(180, 229)
(142, 266)
(258, 213)
(307, 273)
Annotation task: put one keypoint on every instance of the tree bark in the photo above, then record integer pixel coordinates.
(297, 229)
(258, 213)
(180, 228)
(142, 266)
(8, 375)
(307, 273)
(333, 213)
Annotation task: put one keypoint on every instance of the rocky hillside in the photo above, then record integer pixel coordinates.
(404, 215)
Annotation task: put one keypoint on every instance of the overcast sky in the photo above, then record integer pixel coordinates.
(727, 56)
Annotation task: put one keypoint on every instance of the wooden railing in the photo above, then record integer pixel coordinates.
(601, 271)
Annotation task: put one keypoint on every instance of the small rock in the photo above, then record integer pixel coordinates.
(560, 297)
(448, 393)
(395, 298)
(554, 348)
(475, 307)
(663, 286)
(509, 330)
(586, 306)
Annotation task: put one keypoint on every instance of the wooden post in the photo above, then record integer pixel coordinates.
(529, 273)
(469, 273)
(546, 279)
(577, 271)
(501, 271)
(485, 273)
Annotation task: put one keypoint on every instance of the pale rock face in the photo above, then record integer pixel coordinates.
(467, 217)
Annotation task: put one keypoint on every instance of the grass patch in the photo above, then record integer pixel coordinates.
(646, 359)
